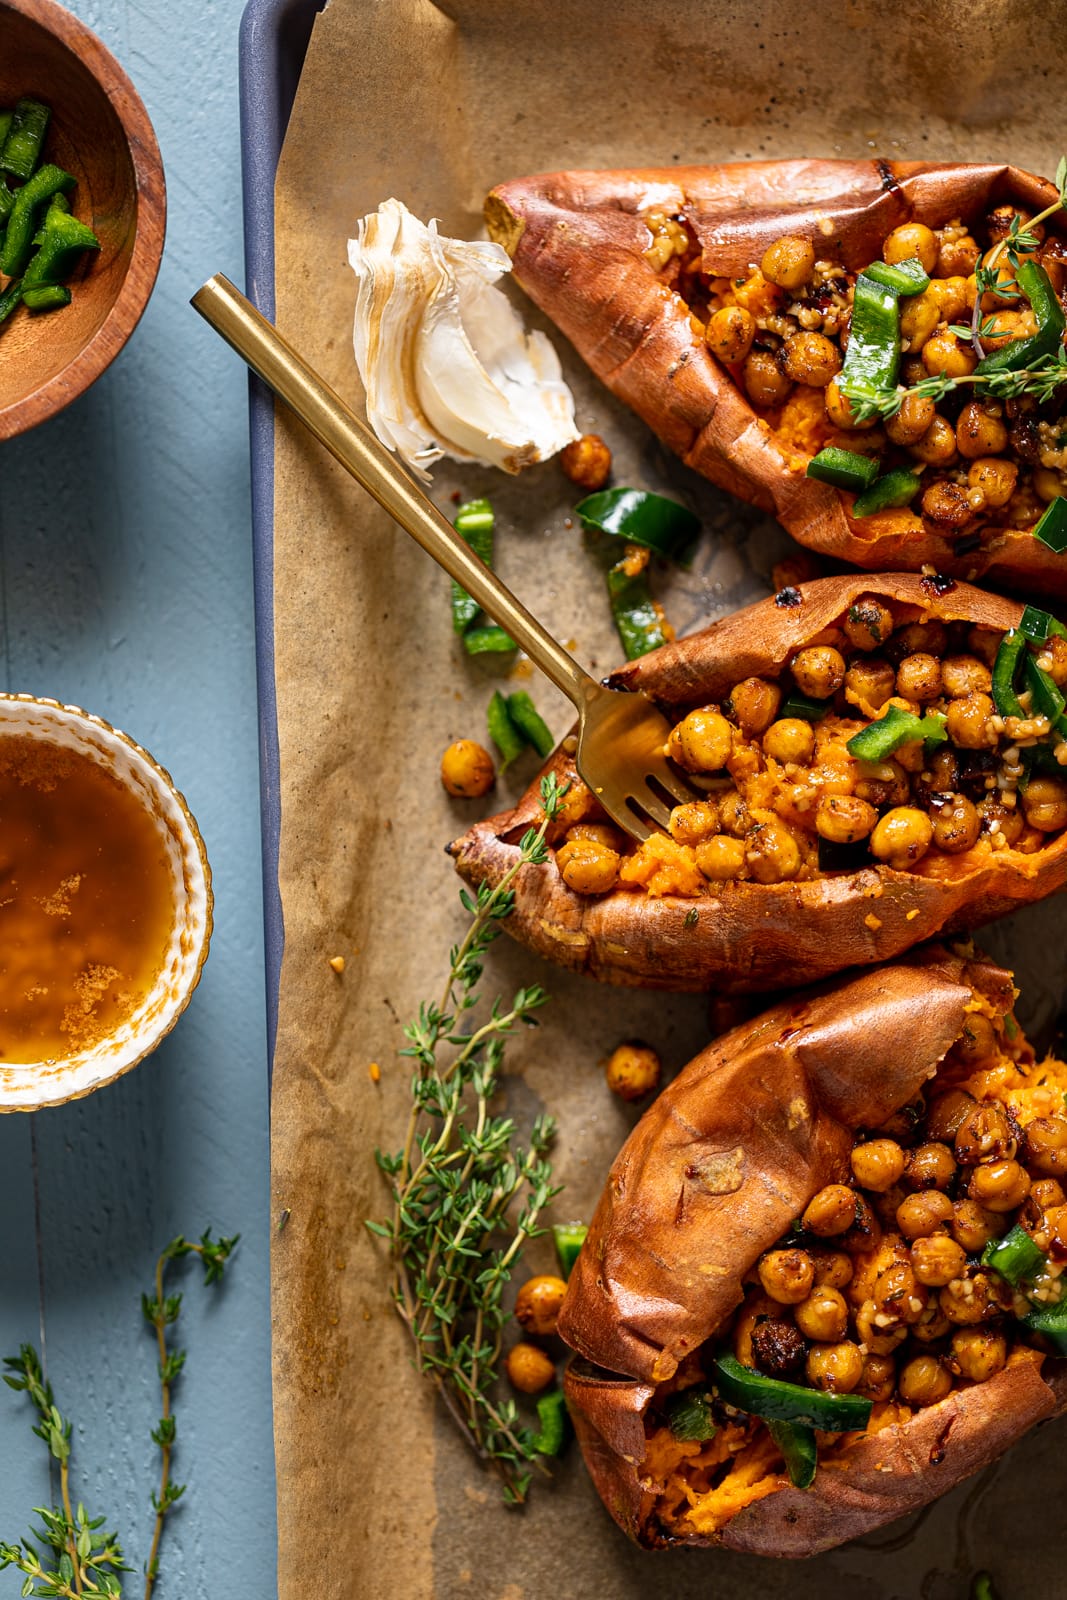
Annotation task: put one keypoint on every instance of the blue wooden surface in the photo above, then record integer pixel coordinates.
(125, 587)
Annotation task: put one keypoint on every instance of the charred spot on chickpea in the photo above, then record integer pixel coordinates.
(894, 740)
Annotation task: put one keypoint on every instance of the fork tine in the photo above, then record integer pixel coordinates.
(650, 803)
(671, 780)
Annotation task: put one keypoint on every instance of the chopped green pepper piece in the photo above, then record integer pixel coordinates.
(474, 523)
(1051, 529)
(983, 1587)
(845, 469)
(873, 354)
(902, 278)
(46, 297)
(22, 144)
(1045, 697)
(488, 641)
(568, 1238)
(19, 236)
(1017, 354)
(774, 1399)
(1005, 667)
(636, 617)
(647, 519)
(896, 488)
(530, 723)
(689, 1416)
(799, 1451)
(1016, 1257)
(1038, 625)
(879, 739)
(552, 1415)
(7, 201)
(6, 119)
(503, 732)
(10, 299)
(1051, 1323)
(61, 243)
(802, 705)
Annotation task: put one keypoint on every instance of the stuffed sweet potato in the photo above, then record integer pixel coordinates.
(719, 303)
(823, 1281)
(819, 845)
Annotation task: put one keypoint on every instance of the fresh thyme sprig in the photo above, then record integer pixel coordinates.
(161, 1312)
(454, 1236)
(83, 1561)
(1019, 239)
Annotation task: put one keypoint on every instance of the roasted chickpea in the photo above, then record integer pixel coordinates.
(937, 447)
(943, 352)
(537, 1304)
(994, 478)
(1046, 1146)
(978, 1353)
(811, 358)
(586, 461)
(1045, 804)
(695, 821)
(787, 1275)
(633, 1070)
(931, 1325)
(985, 1133)
(771, 851)
(898, 1293)
(976, 1044)
(868, 623)
(721, 859)
(980, 431)
(911, 421)
(789, 262)
(1049, 484)
(917, 637)
(919, 316)
(902, 837)
(871, 681)
(790, 739)
(702, 741)
(1054, 1225)
(984, 643)
(999, 1185)
(729, 333)
(843, 819)
(963, 675)
(587, 867)
(968, 722)
(967, 1301)
(921, 1215)
(823, 1315)
(929, 1166)
(912, 240)
(754, 703)
(883, 783)
(957, 257)
(818, 670)
(956, 825)
(879, 1331)
(734, 814)
(529, 1368)
(973, 1227)
(838, 409)
(1056, 649)
(997, 819)
(919, 677)
(778, 1348)
(833, 1268)
(924, 1381)
(836, 1367)
(946, 507)
(467, 770)
(946, 1113)
(937, 1260)
(1045, 1194)
(940, 773)
(878, 1164)
(765, 382)
(831, 1211)
(879, 1377)
(865, 1233)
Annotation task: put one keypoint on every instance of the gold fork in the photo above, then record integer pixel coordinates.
(621, 734)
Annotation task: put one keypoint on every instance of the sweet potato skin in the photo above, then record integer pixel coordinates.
(667, 1250)
(577, 241)
(746, 936)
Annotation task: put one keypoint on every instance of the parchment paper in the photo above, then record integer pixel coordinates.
(434, 104)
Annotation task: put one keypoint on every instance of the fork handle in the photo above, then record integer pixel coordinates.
(353, 444)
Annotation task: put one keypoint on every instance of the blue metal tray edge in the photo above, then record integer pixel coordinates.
(272, 45)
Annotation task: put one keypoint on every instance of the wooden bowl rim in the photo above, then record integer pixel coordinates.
(150, 185)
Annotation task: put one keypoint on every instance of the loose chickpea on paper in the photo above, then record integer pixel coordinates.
(529, 1369)
(467, 770)
(633, 1070)
(537, 1304)
(586, 461)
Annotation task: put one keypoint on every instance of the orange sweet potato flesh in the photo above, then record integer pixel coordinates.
(713, 1174)
(745, 936)
(577, 241)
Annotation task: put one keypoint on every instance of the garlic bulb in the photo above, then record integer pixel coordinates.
(445, 361)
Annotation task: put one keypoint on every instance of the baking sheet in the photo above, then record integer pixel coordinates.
(405, 97)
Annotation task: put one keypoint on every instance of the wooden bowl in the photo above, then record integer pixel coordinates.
(100, 133)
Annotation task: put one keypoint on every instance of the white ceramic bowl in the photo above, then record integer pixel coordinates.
(31, 1085)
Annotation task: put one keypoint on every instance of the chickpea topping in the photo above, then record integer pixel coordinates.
(1045, 1193)
(999, 1185)
(980, 431)
(919, 677)
(838, 409)
(919, 316)
(956, 825)
(936, 1260)
(947, 506)
(897, 1292)
(1046, 1147)
(937, 447)
(787, 1275)
(831, 1211)
(790, 739)
(1045, 804)
(870, 682)
(467, 770)
(832, 1267)
(837, 1367)
(772, 853)
(823, 1315)
(843, 819)
(880, 1333)
(943, 352)
(967, 1301)
(879, 1378)
(946, 1113)
(995, 478)
(930, 1166)
(878, 1164)
(921, 1215)
(910, 241)
(789, 262)
(911, 421)
(811, 358)
(729, 333)
(765, 382)
(902, 837)
(702, 741)
(963, 675)
(529, 1369)
(588, 867)
(537, 1304)
(586, 461)
(754, 703)
(924, 1381)
(968, 722)
(978, 1353)
(633, 1070)
(957, 257)
(973, 1227)
(818, 670)
(977, 1043)
(984, 1133)
(695, 821)
(721, 858)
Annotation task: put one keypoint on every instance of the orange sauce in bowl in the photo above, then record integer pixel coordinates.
(86, 903)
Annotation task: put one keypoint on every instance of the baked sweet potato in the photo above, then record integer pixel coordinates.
(632, 266)
(775, 892)
(716, 1232)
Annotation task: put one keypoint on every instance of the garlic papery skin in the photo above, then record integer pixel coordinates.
(447, 366)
